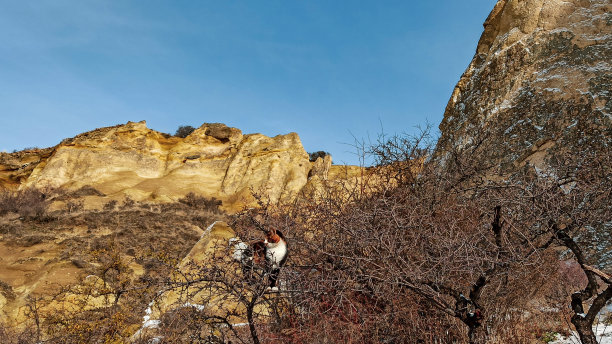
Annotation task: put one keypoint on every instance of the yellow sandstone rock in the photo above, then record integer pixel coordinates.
(132, 160)
(539, 81)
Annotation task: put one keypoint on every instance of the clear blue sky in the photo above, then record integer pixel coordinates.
(328, 70)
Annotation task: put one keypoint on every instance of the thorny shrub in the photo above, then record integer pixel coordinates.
(29, 203)
(200, 202)
(426, 250)
(434, 251)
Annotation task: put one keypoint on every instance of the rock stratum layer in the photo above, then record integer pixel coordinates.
(132, 160)
(541, 80)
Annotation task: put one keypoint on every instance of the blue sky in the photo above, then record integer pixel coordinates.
(331, 71)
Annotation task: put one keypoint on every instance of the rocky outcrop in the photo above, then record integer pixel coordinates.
(540, 81)
(214, 161)
(15, 168)
(320, 167)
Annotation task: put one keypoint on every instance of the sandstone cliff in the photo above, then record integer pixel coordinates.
(540, 81)
(132, 160)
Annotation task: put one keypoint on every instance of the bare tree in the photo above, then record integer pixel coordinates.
(456, 240)
(568, 205)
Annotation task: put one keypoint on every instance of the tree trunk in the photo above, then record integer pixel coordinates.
(584, 329)
(252, 328)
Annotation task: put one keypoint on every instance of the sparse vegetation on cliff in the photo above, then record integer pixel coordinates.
(183, 131)
(200, 202)
(126, 249)
(420, 249)
(29, 203)
(313, 156)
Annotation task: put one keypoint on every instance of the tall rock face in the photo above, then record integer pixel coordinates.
(214, 161)
(541, 80)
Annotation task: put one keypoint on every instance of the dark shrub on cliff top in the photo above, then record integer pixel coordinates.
(184, 131)
(318, 154)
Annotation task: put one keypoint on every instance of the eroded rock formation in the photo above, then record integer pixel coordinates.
(214, 161)
(541, 79)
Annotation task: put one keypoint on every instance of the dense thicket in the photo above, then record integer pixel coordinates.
(424, 248)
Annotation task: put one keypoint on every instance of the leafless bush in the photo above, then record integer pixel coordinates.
(12, 335)
(110, 205)
(568, 205)
(87, 190)
(128, 203)
(216, 302)
(28, 203)
(7, 291)
(202, 203)
(444, 246)
(188, 324)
